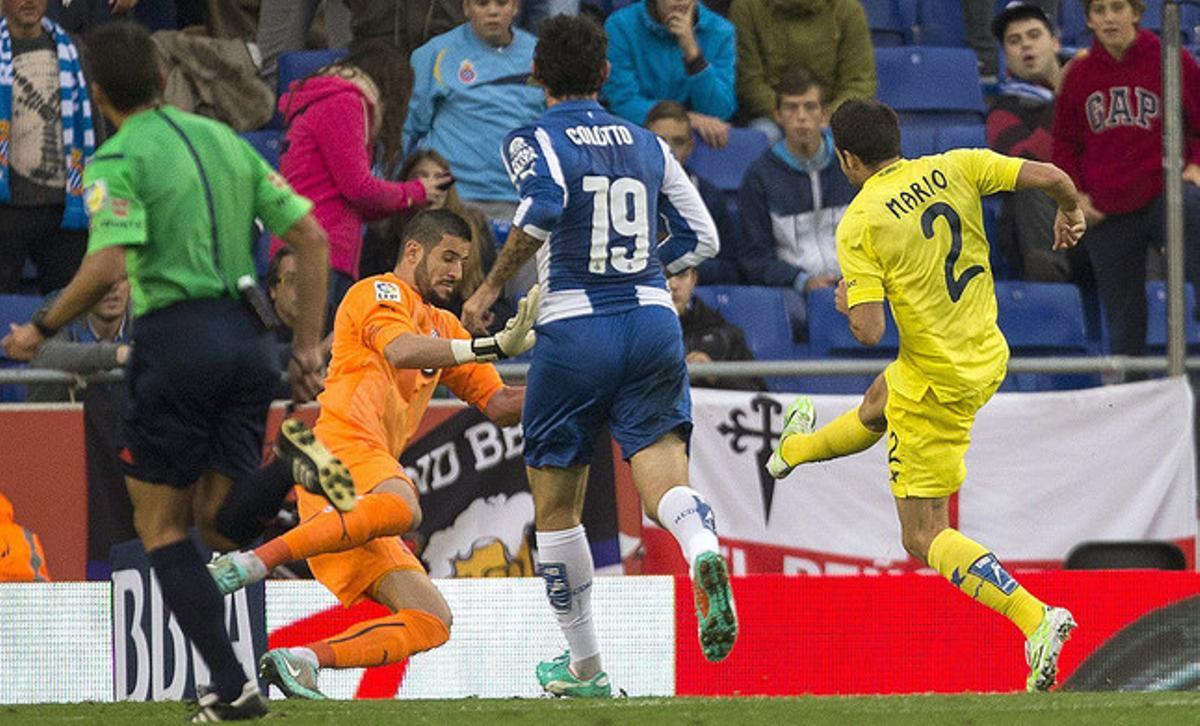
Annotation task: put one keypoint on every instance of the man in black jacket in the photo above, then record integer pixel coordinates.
(707, 336)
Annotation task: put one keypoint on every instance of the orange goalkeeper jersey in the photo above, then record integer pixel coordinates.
(366, 400)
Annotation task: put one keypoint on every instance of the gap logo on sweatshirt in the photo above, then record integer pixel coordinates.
(1122, 106)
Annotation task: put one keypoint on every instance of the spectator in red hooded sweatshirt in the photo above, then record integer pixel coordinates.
(1108, 137)
(337, 119)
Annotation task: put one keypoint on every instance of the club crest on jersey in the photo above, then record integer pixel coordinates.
(387, 291)
(466, 71)
(521, 157)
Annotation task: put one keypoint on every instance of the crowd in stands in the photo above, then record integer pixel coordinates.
(409, 107)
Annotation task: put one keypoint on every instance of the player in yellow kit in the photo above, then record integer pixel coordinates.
(914, 235)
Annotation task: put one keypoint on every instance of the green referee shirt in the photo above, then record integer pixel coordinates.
(180, 193)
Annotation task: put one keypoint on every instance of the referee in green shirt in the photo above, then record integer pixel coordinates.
(172, 199)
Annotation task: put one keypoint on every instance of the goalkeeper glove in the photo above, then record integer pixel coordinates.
(516, 338)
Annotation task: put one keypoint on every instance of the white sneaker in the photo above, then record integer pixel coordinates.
(1044, 646)
(799, 418)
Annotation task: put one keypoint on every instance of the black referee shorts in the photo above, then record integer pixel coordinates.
(199, 381)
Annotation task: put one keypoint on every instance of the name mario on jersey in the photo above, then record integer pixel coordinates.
(1122, 106)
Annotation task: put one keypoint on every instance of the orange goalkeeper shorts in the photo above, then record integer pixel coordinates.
(351, 574)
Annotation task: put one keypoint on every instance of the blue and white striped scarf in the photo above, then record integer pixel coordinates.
(78, 139)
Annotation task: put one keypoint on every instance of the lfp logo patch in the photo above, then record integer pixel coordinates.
(466, 72)
(387, 291)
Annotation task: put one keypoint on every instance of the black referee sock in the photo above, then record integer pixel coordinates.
(190, 592)
(254, 501)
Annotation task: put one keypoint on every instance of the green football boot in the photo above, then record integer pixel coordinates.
(558, 680)
(715, 611)
(799, 418)
(1044, 646)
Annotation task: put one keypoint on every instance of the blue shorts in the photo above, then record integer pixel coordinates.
(199, 383)
(625, 370)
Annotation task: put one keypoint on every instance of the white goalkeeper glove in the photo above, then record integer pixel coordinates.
(516, 338)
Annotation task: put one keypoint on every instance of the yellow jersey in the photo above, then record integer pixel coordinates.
(914, 235)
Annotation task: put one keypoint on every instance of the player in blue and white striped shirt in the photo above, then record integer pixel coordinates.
(594, 189)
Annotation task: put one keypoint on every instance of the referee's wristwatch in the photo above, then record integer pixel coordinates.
(39, 321)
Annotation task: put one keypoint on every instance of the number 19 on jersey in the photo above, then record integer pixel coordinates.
(619, 212)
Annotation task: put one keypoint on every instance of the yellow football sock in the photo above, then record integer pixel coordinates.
(978, 573)
(842, 436)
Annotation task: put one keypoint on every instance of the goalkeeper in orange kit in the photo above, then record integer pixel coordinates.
(391, 348)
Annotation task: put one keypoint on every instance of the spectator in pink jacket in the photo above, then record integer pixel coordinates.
(336, 119)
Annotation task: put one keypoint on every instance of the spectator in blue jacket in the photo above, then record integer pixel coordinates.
(673, 50)
(471, 87)
(792, 199)
(670, 121)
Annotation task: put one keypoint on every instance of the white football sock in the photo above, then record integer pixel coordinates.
(566, 565)
(686, 514)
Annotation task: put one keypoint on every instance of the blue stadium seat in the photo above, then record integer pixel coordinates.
(1075, 34)
(1043, 319)
(15, 309)
(941, 23)
(1072, 25)
(761, 313)
(933, 136)
(724, 168)
(267, 143)
(930, 85)
(886, 23)
(1001, 269)
(1156, 318)
(829, 334)
(1152, 19)
(829, 337)
(299, 64)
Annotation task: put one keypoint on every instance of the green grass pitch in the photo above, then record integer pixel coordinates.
(1058, 709)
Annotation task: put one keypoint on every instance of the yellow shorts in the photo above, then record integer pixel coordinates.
(351, 574)
(928, 440)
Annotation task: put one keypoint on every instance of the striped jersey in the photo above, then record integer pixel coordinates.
(596, 189)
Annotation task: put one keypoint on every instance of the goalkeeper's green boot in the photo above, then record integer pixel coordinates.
(293, 675)
(799, 418)
(558, 680)
(1044, 646)
(715, 611)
